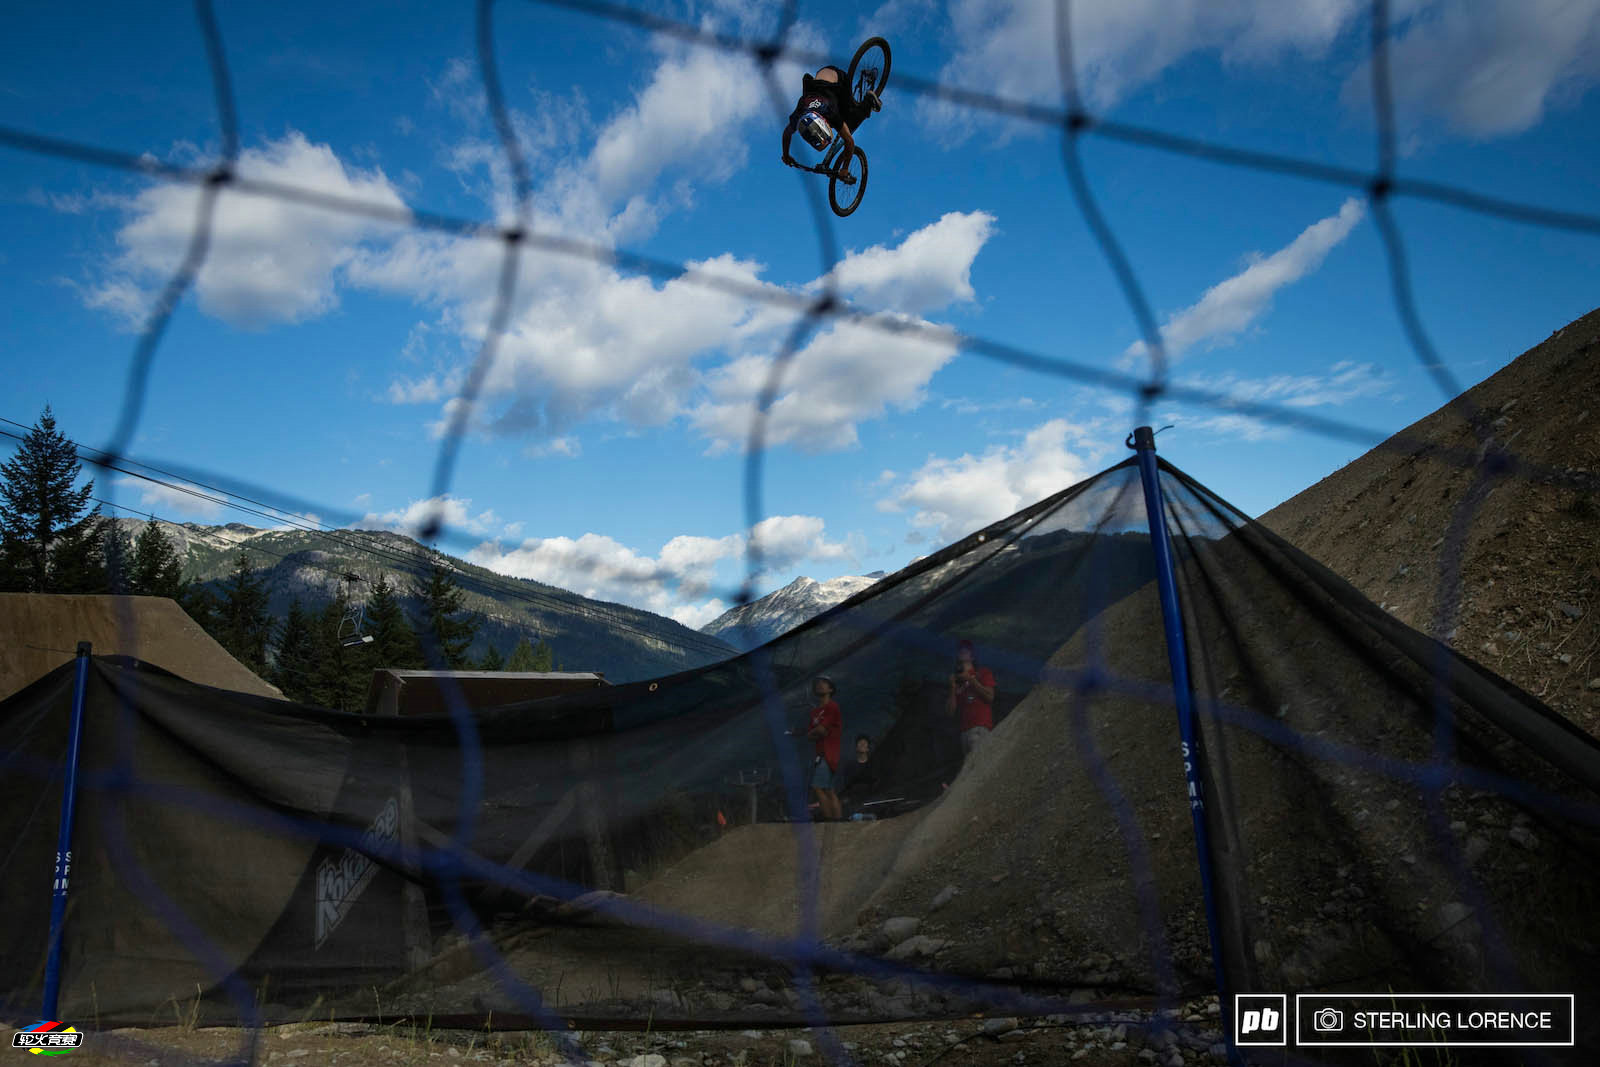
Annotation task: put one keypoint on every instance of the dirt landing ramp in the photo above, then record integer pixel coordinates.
(41, 631)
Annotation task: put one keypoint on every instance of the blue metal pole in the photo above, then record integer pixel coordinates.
(69, 797)
(1144, 444)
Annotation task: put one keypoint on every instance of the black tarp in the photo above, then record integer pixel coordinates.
(1385, 814)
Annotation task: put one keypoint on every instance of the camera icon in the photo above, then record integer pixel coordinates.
(1327, 1019)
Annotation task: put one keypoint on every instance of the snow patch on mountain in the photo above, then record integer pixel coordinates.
(782, 610)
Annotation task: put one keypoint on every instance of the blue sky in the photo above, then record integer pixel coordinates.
(318, 354)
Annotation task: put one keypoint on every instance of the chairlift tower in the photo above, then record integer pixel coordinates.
(352, 628)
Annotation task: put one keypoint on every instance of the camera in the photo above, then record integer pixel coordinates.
(1327, 1019)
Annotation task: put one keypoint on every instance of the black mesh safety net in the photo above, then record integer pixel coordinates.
(1382, 813)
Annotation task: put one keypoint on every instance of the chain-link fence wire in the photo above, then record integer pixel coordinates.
(1490, 462)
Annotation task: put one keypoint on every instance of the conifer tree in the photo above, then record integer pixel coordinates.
(294, 662)
(448, 629)
(40, 508)
(329, 674)
(243, 624)
(116, 550)
(201, 605)
(521, 660)
(78, 557)
(492, 660)
(394, 641)
(156, 568)
(527, 657)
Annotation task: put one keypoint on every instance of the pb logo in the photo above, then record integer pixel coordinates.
(1257, 1021)
(1260, 1019)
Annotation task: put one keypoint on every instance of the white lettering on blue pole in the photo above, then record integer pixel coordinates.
(63, 869)
(1196, 801)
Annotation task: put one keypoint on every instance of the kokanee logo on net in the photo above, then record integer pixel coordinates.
(47, 1038)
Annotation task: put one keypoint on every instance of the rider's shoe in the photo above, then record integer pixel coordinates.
(872, 98)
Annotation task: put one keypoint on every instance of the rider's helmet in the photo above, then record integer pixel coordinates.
(815, 129)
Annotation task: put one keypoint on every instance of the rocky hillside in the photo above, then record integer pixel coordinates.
(1526, 579)
(761, 620)
(625, 643)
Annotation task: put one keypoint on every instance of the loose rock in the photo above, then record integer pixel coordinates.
(921, 945)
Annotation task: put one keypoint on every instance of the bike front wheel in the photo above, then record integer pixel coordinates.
(840, 193)
(869, 69)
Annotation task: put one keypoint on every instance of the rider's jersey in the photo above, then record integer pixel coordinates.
(833, 99)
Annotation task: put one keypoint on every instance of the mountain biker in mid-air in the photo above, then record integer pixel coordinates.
(826, 104)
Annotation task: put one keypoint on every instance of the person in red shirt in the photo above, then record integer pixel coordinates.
(826, 728)
(971, 698)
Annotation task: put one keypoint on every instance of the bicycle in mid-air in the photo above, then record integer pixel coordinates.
(866, 79)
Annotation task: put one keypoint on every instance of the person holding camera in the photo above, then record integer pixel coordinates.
(971, 698)
(826, 728)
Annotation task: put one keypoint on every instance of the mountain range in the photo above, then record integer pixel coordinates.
(759, 621)
(622, 642)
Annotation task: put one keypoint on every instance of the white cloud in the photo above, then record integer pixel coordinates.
(430, 389)
(454, 512)
(676, 581)
(1344, 382)
(958, 496)
(75, 203)
(1009, 47)
(1487, 67)
(586, 340)
(1490, 67)
(176, 499)
(788, 540)
(848, 373)
(1230, 307)
(297, 520)
(695, 616)
(690, 113)
(269, 260)
(566, 447)
(929, 270)
(1237, 427)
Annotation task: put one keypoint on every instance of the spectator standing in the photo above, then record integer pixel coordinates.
(971, 698)
(826, 729)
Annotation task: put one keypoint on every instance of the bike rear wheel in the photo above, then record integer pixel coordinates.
(869, 69)
(839, 193)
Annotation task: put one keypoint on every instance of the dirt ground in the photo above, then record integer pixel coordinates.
(1111, 1041)
(1529, 568)
(39, 632)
